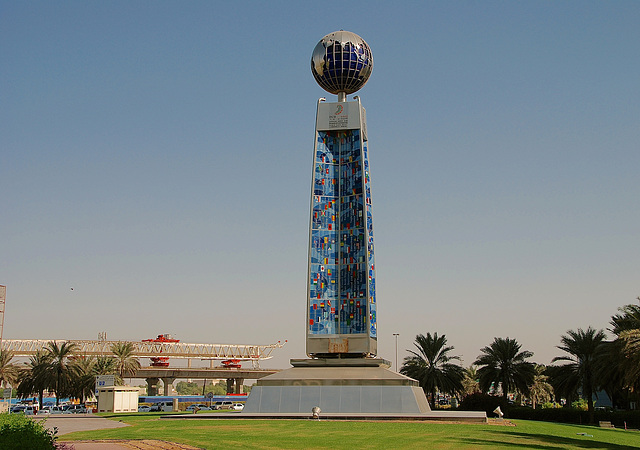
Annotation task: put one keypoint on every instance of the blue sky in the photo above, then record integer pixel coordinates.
(157, 157)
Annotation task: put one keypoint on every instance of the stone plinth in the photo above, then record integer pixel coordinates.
(350, 385)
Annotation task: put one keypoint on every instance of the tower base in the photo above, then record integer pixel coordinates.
(344, 386)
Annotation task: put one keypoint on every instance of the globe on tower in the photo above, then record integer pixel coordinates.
(341, 62)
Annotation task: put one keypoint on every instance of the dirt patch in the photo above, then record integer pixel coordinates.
(502, 422)
(115, 444)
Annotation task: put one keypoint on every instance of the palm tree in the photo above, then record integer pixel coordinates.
(565, 383)
(470, 382)
(631, 339)
(433, 366)
(581, 347)
(626, 326)
(105, 365)
(503, 363)
(9, 372)
(540, 390)
(85, 381)
(610, 371)
(63, 369)
(627, 319)
(125, 363)
(35, 376)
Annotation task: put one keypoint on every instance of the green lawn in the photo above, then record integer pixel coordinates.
(295, 434)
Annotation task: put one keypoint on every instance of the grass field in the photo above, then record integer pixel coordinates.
(296, 434)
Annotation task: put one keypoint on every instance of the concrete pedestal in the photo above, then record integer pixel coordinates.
(350, 385)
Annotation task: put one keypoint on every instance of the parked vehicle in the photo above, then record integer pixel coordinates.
(74, 409)
(46, 409)
(57, 409)
(200, 407)
(144, 408)
(18, 409)
(237, 406)
(222, 405)
(165, 406)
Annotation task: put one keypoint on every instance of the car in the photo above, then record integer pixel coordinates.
(200, 407)
(237, 406)
(57, 410)
(144, 408)
(46, 409)
(602, 408)
(222, 405)
(18, 409)
(74, 409)
(165, 406)
(31, 410)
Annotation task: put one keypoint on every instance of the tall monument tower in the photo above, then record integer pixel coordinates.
(341, 375)
(341, 297)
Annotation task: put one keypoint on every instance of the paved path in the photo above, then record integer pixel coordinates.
(68, 423)
(86, 422)
(83, 422)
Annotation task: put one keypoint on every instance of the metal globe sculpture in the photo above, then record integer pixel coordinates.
(341, 62)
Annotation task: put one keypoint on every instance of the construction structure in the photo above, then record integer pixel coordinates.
(153, 349)
(159, 350)
(161, 361)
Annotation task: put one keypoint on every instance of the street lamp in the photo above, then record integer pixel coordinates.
(396, 336)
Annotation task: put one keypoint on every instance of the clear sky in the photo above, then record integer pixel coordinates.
(156, 157)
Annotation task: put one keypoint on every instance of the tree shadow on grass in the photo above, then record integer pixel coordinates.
(544, 441)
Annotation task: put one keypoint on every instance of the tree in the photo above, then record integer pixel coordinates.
(62, 368)
(188, 388)
(105, 365)
(85, 381)
(34, 378)
(503, 363)
(470, 382)
(433, 366)
(220, 388)
(609, 370)
(626, 327)
(125, 363)
(631, 339)
(627, 319)
(581, 347)
(9, 372)
(565, 383)
(540, 390)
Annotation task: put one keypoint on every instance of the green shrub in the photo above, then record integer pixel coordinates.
(581, 404)
(550, 405)
(19, 432)
(483, 402)
(577, 416)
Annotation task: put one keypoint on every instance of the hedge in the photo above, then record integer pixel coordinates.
(487, 403)
(571, 415)
(482, 402)
(19, 432)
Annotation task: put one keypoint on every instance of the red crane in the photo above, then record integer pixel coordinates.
(160, 361)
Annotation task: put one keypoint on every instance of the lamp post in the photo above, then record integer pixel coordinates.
(396, 336)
